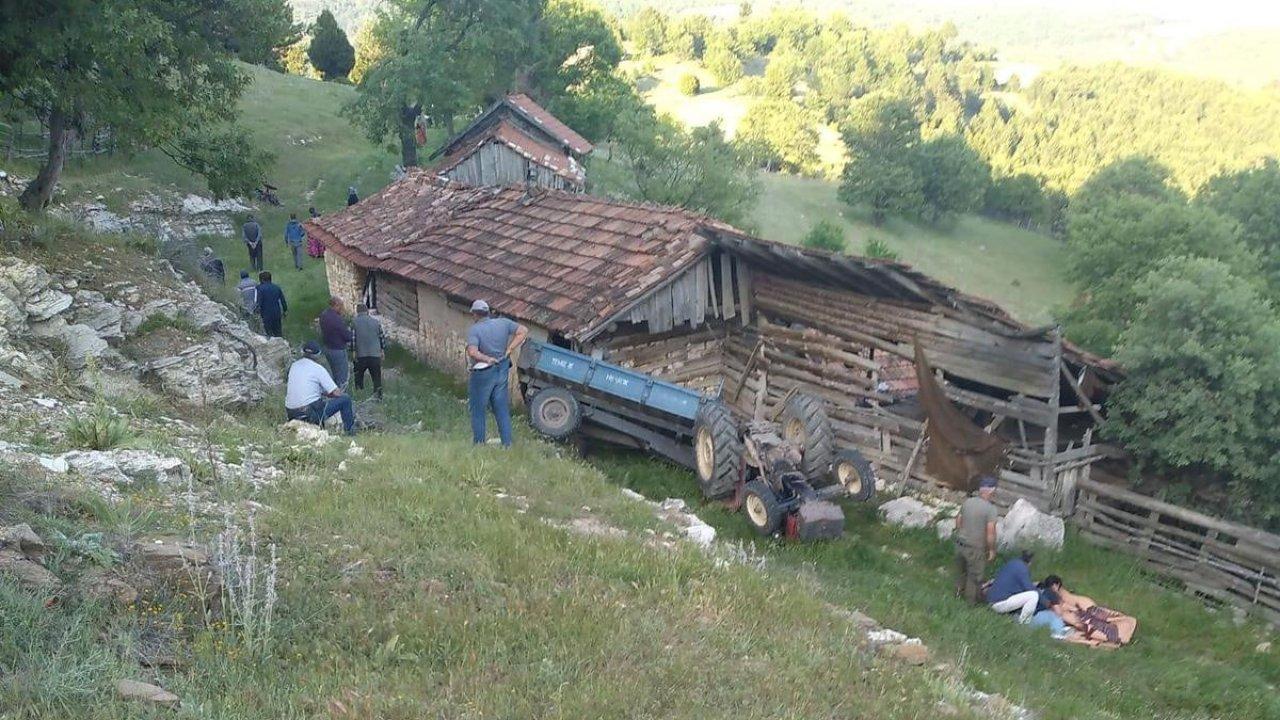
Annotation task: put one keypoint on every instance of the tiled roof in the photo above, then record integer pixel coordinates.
(535, 112)
(565, 261)
(553, 159)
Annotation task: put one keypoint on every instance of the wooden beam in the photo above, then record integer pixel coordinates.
(751, 363)
(1081, 399)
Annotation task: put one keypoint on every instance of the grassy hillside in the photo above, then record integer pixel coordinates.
(1019, 269)
(319, 154)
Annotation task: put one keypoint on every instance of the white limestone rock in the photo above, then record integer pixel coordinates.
(1025, 526)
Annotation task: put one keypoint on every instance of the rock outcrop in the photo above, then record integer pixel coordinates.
(1024, 526)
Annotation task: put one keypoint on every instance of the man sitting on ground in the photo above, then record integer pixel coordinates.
(1012, 589)
(212, 266)
(313, 396)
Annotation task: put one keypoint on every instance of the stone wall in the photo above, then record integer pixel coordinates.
(345, 279)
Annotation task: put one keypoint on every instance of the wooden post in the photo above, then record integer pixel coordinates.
(1051, 429)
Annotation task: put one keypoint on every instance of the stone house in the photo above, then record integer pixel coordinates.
(698, 302)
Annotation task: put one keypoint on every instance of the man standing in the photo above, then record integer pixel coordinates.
(370, 343)
(253, 241)
(490, 342)
(312, 395)
(248, 290)
(336, 337)
(352, 197)
(271, 305)
(293, 237)
(975, 537)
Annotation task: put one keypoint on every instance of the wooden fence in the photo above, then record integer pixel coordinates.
(1221, 560)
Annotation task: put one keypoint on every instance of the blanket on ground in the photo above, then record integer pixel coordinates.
(1096, 626)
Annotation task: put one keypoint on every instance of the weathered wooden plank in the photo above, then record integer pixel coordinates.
(726, 288)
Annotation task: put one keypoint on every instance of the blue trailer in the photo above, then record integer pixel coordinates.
(569, 394)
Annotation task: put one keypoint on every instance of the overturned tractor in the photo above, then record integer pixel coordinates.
(783, 473)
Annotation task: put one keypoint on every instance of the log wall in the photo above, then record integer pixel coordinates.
(1220, 560)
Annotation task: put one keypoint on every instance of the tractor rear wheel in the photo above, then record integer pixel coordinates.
(805, 424)
(854, 473)
(554, 412)
(761, 505)
(717, 450)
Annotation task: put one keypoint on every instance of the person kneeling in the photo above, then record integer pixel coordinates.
(313, 396)
(1012, 589)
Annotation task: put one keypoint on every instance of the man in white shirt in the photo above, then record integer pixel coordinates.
(312, 395)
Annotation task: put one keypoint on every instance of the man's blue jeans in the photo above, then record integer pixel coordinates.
(324, 408)
(338, 365)
(487, 389)
(1049, 619)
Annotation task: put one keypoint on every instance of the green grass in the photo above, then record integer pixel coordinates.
(1186, 662)
(1018, 269)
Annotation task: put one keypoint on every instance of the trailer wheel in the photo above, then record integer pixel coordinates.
(717, 450)
(554, 412)
(805, 423)
(760, 503)
(854, 473)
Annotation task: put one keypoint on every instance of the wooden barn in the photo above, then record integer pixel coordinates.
(701, 303)
(514, 141)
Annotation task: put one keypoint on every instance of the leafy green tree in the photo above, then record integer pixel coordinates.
(696, 169)
(785, 70)
(647, 30)
(825, 235)
(294, 60)
(1202, 388)
(330, 52)
(159, 73)
(689, 84)
(1252, 199)
(442, 59)
(722, 61)
(780, 135)
(573, 44)
(270, 30)
(881, 135)
(953, 179)
(1017, 198)
(371, 49)
(687, 37)
(1115, 240)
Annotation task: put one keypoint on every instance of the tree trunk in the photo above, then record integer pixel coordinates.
(38, 194)
(408, 137)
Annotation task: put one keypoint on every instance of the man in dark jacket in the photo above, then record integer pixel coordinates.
(352, 197)
(271, 305)
(370, 343)
(253, 241)
(1012, 589)
(293, 237)
(335, 336)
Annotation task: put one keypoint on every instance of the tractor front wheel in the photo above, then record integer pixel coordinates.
(853, 472)
(761, 505)
(717, 450)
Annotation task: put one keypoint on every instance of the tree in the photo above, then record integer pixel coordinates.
(441, 60)
(1252, 199)
(687, 38)
(595, 108)
(157, 72)
(572, 46)
(330, 52)
(269, 28)
(689, 84)
(825, 235)
(882, 134)
(647, 29)
(953, 179)
(721, 60)
(1202, 388)
(295, 60)
(696, 169)
(371, 49)
(1116, 240)
(779, 135)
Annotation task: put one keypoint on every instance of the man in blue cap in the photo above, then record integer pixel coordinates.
(312, 395)
(490, 342)
(975, 538)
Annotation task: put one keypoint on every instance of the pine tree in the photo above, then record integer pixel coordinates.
(330, 52)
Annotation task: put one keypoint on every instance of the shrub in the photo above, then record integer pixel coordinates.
(877, 248)
(689, 84)
(101, 429)
(160, 321)
(825, 235)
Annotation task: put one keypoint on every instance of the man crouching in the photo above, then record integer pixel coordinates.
(313, 396)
